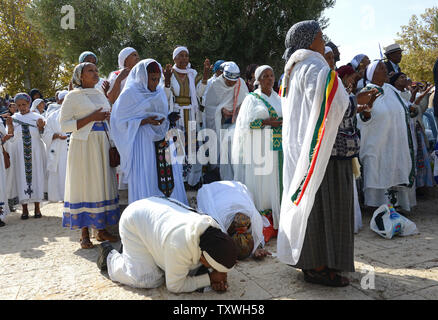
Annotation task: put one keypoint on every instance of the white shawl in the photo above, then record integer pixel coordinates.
(221, 96)
(222, 200)
(308, 73)
(135, 103)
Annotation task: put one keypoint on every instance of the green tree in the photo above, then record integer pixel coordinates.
(26, 61)
(246, 31)
(419, 39)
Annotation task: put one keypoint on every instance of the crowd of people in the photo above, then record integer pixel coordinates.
(295, 158)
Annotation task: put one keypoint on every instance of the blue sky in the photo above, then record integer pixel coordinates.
(359, 26)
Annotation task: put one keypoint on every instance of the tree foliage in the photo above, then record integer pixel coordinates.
(246, 31)
(26, 60)
(419, 39)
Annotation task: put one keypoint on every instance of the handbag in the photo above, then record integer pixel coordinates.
(7, 158)
(114, 156)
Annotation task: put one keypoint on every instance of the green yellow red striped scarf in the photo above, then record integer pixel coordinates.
(318, 135)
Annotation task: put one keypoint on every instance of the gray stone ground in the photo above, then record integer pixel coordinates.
(41, 260)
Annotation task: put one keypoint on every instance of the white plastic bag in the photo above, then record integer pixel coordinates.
(388, 223)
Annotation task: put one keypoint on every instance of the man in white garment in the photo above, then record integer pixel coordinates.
(165, 241)
(222, 104)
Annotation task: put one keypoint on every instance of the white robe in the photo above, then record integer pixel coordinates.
(224, 199)
(220, 96)
(159, 237)
(264, 185)
(384, 151)
(30, 185)
(57, 151)
(136, 143)
(3, 185)
(301, 109)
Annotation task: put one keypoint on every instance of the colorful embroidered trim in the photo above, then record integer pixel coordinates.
(277, 140)
(318, 135)
(166, 182)
(27, 153)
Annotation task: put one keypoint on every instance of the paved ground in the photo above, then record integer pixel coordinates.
(41, 260)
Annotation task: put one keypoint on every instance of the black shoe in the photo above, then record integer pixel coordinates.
(2, 224)
(24, 216)
(104, 249)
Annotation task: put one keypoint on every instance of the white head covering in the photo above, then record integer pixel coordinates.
(135, 103)
(327, 50)
(357, 60)
(259, 71)
(35, 104)
(231, 71)
(62, 94)
(371, 69)
(125, 53)
(178, 50)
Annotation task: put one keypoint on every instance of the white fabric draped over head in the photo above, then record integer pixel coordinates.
(357, 60)
(371, 70)
(223, 199)
(123, 55)
(259, 71)
(191, 74)
(35, 104)
(135, 103)
(62, 94)
(327, 50)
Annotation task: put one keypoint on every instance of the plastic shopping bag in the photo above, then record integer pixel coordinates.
(388, 223)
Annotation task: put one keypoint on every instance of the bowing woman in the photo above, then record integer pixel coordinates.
(29, 154)
(140, 123)
(91, 198)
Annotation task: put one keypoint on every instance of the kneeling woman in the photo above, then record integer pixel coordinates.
(91, 185)
(139, 124)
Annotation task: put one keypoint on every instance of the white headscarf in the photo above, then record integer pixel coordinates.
(191, 74)
(178, 50)
(259, 71)
(357, 60)
(231, 71)
(123, 55)
(327, 50)
(371, 69)
(135, 103)
(35, 104)
(62, 94)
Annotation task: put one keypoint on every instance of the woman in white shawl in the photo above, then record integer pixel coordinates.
(317, 216)
(56, 145)
(91, 198)
(387, 144)
(39, 106)
(140, 123)
(260, 115)
(223, 200)
(222, 104)
(4, 137)
(29, 155)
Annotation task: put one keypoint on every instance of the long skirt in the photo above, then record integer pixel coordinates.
(91, 198)
(329, 239)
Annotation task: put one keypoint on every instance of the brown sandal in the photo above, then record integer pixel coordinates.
(86, 243)
(104, 235)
